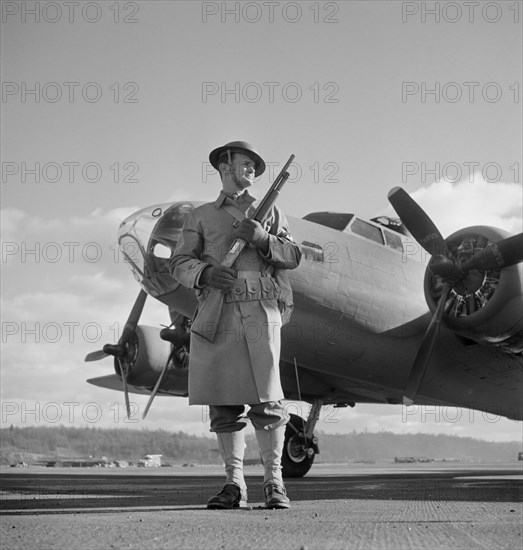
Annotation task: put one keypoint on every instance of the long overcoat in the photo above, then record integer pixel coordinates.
(241, 365)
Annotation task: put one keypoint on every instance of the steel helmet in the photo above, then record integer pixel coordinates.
(238, 147)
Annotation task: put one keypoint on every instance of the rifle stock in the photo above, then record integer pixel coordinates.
(208, 314)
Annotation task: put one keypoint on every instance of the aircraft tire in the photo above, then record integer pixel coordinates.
(295, 461)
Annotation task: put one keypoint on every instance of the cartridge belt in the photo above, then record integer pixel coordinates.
(252, 285)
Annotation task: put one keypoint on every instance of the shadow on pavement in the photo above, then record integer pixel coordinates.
(23, 492)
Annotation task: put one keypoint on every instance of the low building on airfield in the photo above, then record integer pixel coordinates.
(150, 461)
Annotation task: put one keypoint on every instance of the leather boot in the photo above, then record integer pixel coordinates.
(234, 492)
(271, 448)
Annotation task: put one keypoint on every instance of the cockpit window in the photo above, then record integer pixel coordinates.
(168, 229)
(334, 220)
(395, 224)
(366, 230)
(393, 240)
(348, 223)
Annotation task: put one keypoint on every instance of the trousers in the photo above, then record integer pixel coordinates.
(263, 416)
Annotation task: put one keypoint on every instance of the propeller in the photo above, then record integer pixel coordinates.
(97, 355)
(420, 226)
(503, 254)
(122, 350)
(422, 359)
(176, 339)
(157, 385)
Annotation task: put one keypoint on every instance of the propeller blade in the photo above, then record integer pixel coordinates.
(417, 222)
(128, 330)
(419, 368)
(156, 386)
(96, 355)
(123, 373)
(121, 350)
(498, 255)
(134, 316)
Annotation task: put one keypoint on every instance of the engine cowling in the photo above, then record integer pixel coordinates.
(148, 354)
(486, 306)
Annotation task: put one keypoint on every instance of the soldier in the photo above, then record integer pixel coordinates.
(241, 365)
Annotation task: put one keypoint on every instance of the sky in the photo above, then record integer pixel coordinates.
(108, 107)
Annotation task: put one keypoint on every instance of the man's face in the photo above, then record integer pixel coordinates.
(242, 171)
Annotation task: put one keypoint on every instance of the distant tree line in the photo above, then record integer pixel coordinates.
(122, 444)
(387, 445)
(115, 444)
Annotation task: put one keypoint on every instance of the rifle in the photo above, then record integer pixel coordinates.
(206, 322)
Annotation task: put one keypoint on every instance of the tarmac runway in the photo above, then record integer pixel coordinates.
(389, 506)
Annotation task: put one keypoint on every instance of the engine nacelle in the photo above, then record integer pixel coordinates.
(148, 355)
(486, 306)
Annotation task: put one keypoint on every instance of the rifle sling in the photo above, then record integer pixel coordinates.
(235, 212)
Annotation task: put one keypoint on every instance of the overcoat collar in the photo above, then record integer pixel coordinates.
(246, 197)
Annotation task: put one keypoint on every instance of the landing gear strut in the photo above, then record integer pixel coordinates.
(301, 445)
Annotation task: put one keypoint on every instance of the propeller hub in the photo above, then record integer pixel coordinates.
(446, 268)
(114, 350)
(472, 283)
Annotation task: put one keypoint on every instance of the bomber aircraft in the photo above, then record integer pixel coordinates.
(386, 311)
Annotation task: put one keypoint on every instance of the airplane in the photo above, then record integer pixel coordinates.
(387, 311)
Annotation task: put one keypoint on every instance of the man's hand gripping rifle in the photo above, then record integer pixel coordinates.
(206, 322)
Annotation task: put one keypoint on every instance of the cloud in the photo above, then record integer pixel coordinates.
(98, 227)
(453, 206)
(10, 222)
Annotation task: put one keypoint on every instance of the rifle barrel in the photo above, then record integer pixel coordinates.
(281, 178)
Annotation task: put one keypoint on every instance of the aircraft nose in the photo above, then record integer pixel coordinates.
(147, 239)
